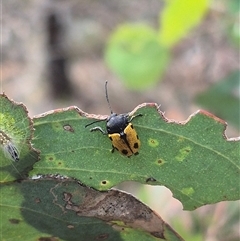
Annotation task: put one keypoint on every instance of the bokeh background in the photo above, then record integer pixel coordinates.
(52, 56)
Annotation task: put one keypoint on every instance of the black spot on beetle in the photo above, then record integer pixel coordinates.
(135, 145)
(124, 152)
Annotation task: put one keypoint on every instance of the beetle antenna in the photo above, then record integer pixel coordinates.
(106, 92)
(94, 122)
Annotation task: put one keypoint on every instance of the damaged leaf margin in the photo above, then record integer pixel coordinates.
(68, 210)
(17, 154)
(194, 158)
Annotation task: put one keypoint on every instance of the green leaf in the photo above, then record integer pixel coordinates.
(193, 159)
(178, 18)
(17, 156)
(233, 6)
(54, 208)
(223, 99)
(134, 54)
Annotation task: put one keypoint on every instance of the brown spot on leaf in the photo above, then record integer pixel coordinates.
(70, 226)
(102, 236)
(14, 221)
(115, 205)
(111, 206)
(67, 196)
(48, 239)
(68, 127)
(160, 161)
(37, 200)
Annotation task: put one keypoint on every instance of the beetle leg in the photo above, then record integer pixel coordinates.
(134, 116)
(97, 128)
(113, 149)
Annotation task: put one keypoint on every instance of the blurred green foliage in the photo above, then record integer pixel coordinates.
(233, 24)
(222, 99)
(135, 55)
(139, 55)
(178, 17)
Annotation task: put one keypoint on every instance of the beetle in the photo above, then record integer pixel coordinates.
(120, 131)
